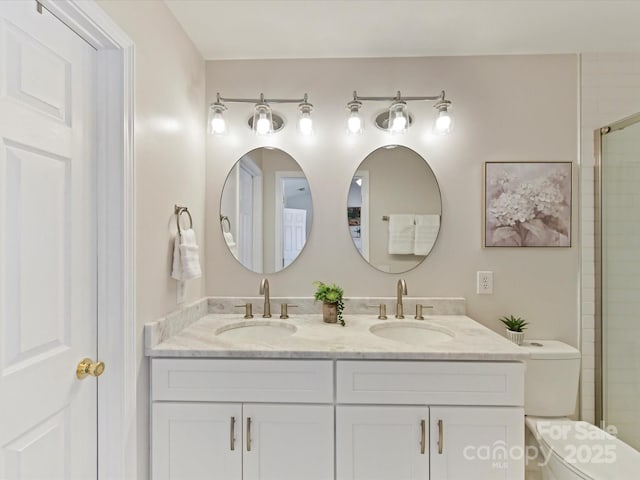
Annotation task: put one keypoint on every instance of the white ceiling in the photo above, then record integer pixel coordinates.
(257, 29)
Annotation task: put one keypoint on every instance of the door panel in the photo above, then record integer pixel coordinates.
(382, 443)
(47, 247)
(192, 441)
(288, 442)
(474, 443)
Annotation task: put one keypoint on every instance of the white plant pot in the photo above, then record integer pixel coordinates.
(515, 337)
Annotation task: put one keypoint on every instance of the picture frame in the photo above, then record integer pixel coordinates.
(527, 204)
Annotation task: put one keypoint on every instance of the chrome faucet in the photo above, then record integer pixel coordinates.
(400, 290)
(264, 290)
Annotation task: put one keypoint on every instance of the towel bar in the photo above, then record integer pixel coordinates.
(179, 210)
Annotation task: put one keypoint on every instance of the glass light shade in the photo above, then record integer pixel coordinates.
(305, 122)
(354, 121)
(398, 117)
(262, 120)
(217, 124)
(443, 122)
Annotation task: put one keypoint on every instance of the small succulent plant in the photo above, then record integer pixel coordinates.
(515, 324)
(331, 294)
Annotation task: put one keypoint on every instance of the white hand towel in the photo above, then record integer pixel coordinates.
(186, 260)
(427, 228)
(233, 246)
(401, 234)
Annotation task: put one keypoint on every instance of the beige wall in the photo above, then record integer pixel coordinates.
(169, 163)
(507, 108)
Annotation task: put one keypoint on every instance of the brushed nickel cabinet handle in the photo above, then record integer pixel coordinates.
(232, 433)
(440, 435)
(248, 434)
(423, 436)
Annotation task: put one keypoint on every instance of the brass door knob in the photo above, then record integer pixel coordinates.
(88, 367)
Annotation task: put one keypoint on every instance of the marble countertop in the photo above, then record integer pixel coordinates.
(315, 339)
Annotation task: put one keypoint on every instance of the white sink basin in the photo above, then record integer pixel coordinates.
(419, 334)
(256, 330)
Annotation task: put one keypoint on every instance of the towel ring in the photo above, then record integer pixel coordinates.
(179, 211)
(224, 218)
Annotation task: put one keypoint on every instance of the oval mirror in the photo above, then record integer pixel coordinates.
(394, 209)
(266, 210)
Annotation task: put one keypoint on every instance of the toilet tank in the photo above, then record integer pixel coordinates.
(551, 378)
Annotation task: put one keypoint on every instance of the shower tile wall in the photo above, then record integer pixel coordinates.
(610, 92)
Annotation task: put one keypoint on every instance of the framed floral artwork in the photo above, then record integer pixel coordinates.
(527, 204)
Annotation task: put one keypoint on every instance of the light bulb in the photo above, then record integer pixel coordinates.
(399, 123)
(218, 126)
(443, 123)
(305, 124)
(354, 122)
(398, 117)
(262, 125)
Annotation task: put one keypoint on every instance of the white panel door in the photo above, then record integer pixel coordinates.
(288, 442)
(196, 441)
(479, 443)
(382, 443)
(294, 234)
(47, 247)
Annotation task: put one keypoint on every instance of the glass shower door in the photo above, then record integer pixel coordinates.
(620, 278)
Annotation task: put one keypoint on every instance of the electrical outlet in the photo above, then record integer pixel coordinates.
(485, 283)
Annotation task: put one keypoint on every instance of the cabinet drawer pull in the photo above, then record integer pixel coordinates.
(423, 439)
(440, 435)
(232, 433)
(248, 434)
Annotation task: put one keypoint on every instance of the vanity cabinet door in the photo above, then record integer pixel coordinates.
(196, 441)
(287, 442)
(382, 443)
(482, 443)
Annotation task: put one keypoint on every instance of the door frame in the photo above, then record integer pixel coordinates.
(117, 448)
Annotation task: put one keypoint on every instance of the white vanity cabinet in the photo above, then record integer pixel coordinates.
(225, 419)
(197, 435)
(429, 420)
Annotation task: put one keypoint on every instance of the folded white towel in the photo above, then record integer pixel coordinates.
(401, 234)
(186, 260)
(233, 246)
(427, 228)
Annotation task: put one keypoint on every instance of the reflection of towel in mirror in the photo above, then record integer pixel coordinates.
(186, 260)
(401, 234)
(427, 227)
(233, 246)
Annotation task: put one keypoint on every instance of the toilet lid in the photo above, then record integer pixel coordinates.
(587, 450)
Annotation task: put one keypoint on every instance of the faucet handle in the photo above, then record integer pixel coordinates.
(382, 311)
(419, 308)
(248, 310)
(284, 310)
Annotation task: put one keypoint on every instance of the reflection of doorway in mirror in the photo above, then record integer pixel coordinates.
(293, 218)
(249, 214)
(358, 212)
(294, 234)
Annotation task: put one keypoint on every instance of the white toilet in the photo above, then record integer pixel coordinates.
(568, 450)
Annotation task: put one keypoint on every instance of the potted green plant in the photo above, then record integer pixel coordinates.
(332, 304)
(515, 328)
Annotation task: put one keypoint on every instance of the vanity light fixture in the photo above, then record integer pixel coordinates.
(263, 121)
(397, 119)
